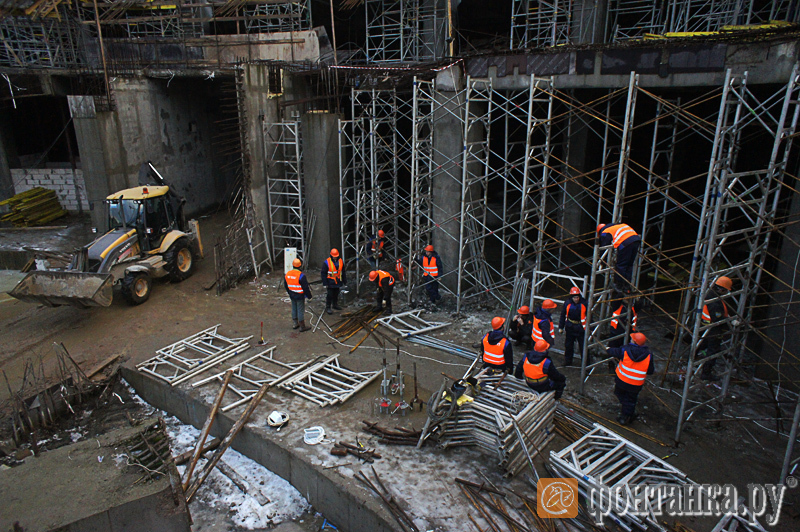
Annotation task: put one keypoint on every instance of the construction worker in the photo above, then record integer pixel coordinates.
(431, 264)
(619, 320)
(543, 328)
(376, 248)
(498, 354)
(635, 362)
(540, 372)
(385, 284)
(297, 287)
(714, 311)
(626, 241)
(521, 327)
(333, 278)
(573, 322)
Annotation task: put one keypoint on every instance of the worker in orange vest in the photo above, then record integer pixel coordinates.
(573, 321)
(376, 248)
(540, 372)
(627, 242)
(431, 264)
(333, 277)
(619, 319)
(297, 287)
(497, 351)
(635, 362)
(521, 327)
(385, 286)
(543, 328)
(714, 311)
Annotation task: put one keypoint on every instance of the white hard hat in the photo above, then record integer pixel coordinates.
(277, 418)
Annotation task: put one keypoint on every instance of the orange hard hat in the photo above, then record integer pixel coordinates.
(524, 310)
(724, 282)
(334, 252)
(297, 263)
(574, 291)
(373, 275)
(497, 322)
(429, 247)
(541, 346)
(381, 234)
(639, 338)
(548, 304)
(600, 227)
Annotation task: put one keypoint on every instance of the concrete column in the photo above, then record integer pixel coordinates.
(321, 173)
(6, 182)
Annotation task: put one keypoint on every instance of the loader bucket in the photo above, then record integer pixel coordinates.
(54, 288)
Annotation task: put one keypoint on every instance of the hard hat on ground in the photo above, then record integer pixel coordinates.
(297, 263)
(277, 418)
(334, 252)
(497, 322)
(541, 346)
(381, 234)
(524, 310)
(429, 247)
(600, 227)
(373, 275)
(724, 282)
(639, 338)
(548, 304)
(574, 291)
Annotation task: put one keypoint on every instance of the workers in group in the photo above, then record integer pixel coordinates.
(619, 319)
(297, 286)
(635, 362)
(375, 247)
(431, 264)
(714, 311)
(521, 327)
(333, 278)
(573, 323)
(497, 351)
(385, 286)
(543, 328)
(626, 241)
(540, 372)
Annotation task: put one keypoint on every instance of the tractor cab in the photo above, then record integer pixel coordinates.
(147, 209)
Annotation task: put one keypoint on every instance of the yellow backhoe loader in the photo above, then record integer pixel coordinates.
(148, 239)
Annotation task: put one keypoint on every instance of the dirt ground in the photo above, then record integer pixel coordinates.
(736, 452)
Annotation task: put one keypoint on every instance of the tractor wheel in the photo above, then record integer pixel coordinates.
(136, 287)
(179, 260)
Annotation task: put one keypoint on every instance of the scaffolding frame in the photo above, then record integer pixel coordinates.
(405, 31)
(49, 42)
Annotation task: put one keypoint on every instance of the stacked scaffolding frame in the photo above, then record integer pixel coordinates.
(405, 31)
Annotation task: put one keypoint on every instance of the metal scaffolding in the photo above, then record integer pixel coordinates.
(405, 31)
(49, 42)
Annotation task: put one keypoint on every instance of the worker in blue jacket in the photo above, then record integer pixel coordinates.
(635, 363)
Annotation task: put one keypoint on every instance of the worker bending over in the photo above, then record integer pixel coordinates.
(498, 354)
(540, 372)
(385, 286)
(635, 362)
(297, 287)
(521, 327)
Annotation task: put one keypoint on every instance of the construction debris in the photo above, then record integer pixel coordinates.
(358, 450)
(402, 518)
(355, 321)
(397, 436)
(149, 450)
(33, 207)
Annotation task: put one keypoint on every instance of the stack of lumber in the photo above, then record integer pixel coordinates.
(33, 207)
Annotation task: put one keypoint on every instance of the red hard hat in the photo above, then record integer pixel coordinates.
(297, 263)
(381, 233)
(373, 275)
(724, 282)
(548, 304)
(429, 247)
(334, 252)
(524, 310)
(541, 346)
(574, 291)
(497, 322)
(639, 338)
(600, 227)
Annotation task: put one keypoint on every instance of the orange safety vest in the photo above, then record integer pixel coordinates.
(619, 233)
(534, 373)
(632, 372)
(583, 312)
(536, 332)
(617, 313)
(493, 354)
(430, 266)
(383, 275)
(334, 272)
(293, 281)
(707, 314)
(380, 244)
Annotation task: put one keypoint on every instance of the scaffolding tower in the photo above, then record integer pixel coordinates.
(405, 31)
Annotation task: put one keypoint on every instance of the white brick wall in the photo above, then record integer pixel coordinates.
(59, 179)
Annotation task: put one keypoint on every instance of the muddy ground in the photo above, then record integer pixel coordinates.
(728, 451)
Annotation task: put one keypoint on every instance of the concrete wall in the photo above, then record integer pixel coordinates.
(67, 183)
